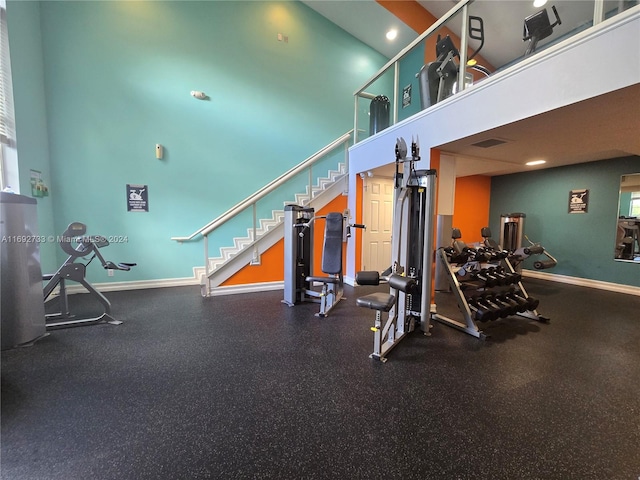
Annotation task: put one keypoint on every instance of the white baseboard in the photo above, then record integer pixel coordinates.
(134, 285)
(267, 286)
(583, 282)
(247, 288)
(174, 282)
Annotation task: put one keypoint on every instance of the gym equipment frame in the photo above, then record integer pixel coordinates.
(409, 300)
(298, 259)
(75, 271)
(485, 285)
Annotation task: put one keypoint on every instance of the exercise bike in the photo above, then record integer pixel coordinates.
(75, 271)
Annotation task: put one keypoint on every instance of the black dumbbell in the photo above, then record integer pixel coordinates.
(532, 303)
(523, 305)
(499, 275)
(481, 313)
(509, 304)
(487, 302)
(488, 279)
(504, 310)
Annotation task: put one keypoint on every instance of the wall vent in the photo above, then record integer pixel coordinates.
(491, 142)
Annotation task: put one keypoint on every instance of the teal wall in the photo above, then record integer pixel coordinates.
(410, 65)
(583, 244)
(31, 121)
(625, 204)
(116, 79)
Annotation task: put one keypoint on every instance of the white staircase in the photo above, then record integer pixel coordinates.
(264, 233)
(268, 232)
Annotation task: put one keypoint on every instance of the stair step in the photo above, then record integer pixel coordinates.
(277, 216)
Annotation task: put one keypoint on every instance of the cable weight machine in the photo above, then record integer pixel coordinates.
(408, 303)
(298, 259)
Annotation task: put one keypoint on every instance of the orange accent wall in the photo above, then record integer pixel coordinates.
(271, 268)
(411, 13)
(471, 209)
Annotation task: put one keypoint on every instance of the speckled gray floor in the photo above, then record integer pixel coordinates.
(245, 387)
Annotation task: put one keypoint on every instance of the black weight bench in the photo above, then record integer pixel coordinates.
(380, 301)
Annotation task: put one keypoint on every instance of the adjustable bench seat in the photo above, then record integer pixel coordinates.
(323, 279)
(377, 301)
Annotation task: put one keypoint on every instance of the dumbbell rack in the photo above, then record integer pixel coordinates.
(498, 299)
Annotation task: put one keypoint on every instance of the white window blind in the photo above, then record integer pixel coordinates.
(634, 206)
(7, 122)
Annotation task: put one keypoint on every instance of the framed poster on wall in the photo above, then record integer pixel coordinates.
(579, 201)
(137, 198)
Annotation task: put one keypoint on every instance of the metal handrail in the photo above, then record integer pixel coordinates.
(462, 5)
(441, 21)
(264, 191)
(395, 63)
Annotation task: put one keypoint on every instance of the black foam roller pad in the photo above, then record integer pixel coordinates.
(404, 284)
(368, 277)
(534, 250)
(544, 265)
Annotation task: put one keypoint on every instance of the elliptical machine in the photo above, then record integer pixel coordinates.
(75, 271)
(538, 27)
(437, 80)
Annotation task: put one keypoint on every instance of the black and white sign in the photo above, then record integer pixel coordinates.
(406, 96)
(137, 198)
(578, 201)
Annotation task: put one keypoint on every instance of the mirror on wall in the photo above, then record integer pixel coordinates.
(628, 231)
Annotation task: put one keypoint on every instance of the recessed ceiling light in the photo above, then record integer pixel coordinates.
(392, 34)
(539, 3)
(535, 162)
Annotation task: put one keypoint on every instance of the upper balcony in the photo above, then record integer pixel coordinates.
(564, 65)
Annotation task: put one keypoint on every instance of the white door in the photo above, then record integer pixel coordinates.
(377, 214)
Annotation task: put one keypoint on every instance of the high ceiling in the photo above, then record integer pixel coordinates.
(503, 22)
(566, 136)
(366, 20)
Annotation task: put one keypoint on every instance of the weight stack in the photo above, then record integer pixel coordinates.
(511, 230)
